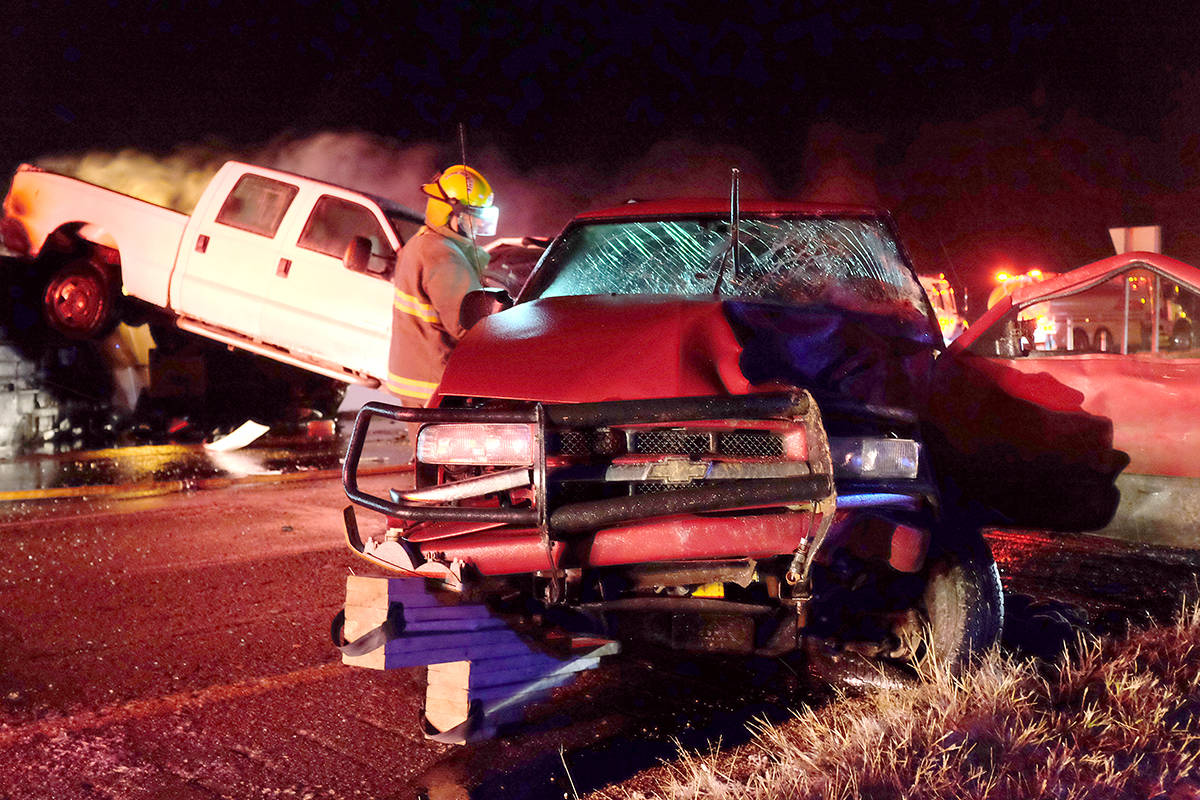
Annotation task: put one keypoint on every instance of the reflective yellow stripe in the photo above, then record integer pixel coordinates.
(413, 305)
(408, 387)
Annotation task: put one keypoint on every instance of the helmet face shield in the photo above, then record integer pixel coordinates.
(482, 220)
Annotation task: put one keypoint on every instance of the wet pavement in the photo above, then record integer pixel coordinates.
(178, 646)
(315, 449)
(206, 643)
(1107, 583)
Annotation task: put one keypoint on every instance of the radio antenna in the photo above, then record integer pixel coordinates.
(462, 150)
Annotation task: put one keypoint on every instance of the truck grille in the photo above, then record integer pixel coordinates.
(670, 441)
(650, 487)
(750, 444)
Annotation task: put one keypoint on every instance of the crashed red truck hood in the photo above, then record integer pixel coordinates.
(593, 348)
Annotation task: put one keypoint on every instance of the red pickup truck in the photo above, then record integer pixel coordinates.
(700, 428)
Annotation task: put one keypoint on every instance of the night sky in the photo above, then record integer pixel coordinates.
(873, 88)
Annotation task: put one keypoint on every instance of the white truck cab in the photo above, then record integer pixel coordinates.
(270, 262)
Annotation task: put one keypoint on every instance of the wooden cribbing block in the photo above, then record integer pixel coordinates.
(447, 716)
(476, 643)
(447, 612)
(452, 625)
(498, 689)
(432, 625)
(450, 613)
(381, 659)
(498, 672)
(541, 686)
(369, 592)
(420, 647)
(415, 622)
(429, 648)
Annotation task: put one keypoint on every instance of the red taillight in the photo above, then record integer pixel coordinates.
(484, 444)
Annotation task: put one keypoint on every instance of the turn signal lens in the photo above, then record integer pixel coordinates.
(501, 445)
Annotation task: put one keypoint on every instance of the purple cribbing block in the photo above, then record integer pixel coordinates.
(478, 641)
(420, 658)
(509, 690)
(379, 592)
(515, 669)
(431, 613)
(445, 625)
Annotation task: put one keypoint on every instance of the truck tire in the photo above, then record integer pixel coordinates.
(963, 602)
(80, 301)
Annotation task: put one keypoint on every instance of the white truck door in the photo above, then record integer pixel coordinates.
(320, 306)
(228, 258)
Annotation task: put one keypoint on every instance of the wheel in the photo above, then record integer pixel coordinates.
(962, 604)
(939, 618)
(80, 301)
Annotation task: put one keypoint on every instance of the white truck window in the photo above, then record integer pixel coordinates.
(335, 221)
(257, 204)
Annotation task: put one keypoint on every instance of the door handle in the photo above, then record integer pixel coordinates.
(201, 243)
(285, 265)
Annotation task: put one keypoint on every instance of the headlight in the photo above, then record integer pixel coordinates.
(500, 445)
(875, 457)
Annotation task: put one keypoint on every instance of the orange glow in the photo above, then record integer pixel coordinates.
(1002, 277)
(1036, 274)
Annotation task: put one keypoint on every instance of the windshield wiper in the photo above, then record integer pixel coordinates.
(732, 245)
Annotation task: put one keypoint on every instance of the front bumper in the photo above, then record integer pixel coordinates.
(577, 517)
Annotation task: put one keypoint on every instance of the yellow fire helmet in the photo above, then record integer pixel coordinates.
(461, 190)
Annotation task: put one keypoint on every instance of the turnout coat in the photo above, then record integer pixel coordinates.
(436, 269)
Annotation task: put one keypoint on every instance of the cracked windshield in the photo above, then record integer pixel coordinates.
(849, 263)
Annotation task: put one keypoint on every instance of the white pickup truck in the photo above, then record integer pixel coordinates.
(269, 262)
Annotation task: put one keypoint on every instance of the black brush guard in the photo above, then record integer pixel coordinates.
(593, 514)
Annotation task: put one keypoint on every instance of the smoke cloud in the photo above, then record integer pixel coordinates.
(360, 161)
(175, 181)
(533, 202)
(840, 165)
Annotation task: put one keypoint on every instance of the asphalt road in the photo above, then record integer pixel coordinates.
(176, 646)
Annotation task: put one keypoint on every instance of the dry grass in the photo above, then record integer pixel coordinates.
(1118, 719)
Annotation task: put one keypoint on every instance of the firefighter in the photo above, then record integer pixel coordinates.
(436, 269)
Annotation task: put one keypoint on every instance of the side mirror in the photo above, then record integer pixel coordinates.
(480, 303)
(358, 254)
